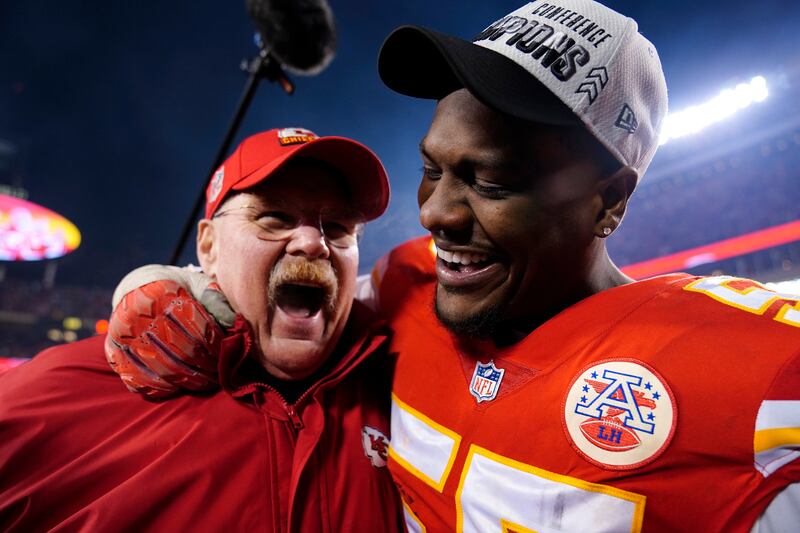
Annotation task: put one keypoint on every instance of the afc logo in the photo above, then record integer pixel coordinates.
(619, 414)
(376, 446)
(620, 398)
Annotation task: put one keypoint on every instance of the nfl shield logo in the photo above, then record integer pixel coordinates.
(486, 381)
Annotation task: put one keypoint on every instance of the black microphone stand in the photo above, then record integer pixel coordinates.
(263, 66)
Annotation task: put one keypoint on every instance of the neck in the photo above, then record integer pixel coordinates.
(603, 273)
(600, 274)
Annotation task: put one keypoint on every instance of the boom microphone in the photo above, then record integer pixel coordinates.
(296, 34)
(300, 34)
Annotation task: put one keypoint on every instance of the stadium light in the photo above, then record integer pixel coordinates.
(72, 323)
(722, 106)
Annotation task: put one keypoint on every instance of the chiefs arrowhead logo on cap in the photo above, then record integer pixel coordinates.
(288, 136)
(216, 184)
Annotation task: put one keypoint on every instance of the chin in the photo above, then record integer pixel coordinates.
(296, 358)
(482, 322)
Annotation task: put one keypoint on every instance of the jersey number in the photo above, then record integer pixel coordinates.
(499, 494)
(753, 299)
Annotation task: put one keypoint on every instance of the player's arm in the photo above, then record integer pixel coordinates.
(166, 330)
(776, 447)
(167, 324)
(402, 267)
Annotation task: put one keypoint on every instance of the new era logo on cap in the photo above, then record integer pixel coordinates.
(627, 120)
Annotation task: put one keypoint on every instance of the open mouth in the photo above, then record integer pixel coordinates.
(299, 300)
(467, 271)
(463, 261)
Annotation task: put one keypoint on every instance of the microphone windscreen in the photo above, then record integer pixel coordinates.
(300, 34)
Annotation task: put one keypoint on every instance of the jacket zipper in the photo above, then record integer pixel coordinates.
(291, 412)
(294, 417)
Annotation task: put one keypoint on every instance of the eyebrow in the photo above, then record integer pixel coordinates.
(487, 161)
(422, 148)
(257, 201)
(259, 204)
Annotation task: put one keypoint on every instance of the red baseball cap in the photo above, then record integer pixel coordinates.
(260, 155)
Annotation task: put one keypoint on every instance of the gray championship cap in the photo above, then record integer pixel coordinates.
(561, 62)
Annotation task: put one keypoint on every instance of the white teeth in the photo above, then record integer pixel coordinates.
(464, 258)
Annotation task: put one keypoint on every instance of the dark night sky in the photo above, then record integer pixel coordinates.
(117, 107)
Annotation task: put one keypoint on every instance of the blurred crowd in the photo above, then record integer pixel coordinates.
(34, 317)
(741, 193)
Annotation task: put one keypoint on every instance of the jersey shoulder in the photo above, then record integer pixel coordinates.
(758, 329)
(415, 258)
(733, 301)
(405, 271)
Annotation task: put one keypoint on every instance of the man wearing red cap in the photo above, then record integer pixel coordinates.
(295, 436)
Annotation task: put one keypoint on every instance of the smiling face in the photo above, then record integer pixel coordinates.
(515, 209)
(295, 291)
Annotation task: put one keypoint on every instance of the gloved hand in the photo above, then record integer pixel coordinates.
(166, 330)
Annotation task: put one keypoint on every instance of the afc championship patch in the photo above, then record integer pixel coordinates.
(619, 414)
(376, 446)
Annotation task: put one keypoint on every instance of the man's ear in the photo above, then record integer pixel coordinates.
(614, 192)
(207, 246)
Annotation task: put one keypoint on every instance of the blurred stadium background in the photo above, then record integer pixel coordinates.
(721, 197)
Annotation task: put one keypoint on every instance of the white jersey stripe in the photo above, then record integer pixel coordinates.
(778, 414)
(421, 446)
(776, 441)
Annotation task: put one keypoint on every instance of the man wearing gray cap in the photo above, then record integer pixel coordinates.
(545, 390)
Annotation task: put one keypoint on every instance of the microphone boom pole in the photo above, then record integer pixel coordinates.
(263, 66)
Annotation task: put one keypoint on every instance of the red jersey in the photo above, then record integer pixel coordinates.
(671, 404)
(78, 452)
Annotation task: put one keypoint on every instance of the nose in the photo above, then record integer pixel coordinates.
(443, 209)
(309, 241)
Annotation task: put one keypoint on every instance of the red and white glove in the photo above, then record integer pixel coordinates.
(166, 330)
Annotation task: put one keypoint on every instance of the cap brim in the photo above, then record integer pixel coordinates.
(365, 175)
(424, 63)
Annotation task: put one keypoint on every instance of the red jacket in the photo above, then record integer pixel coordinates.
(80, 452)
